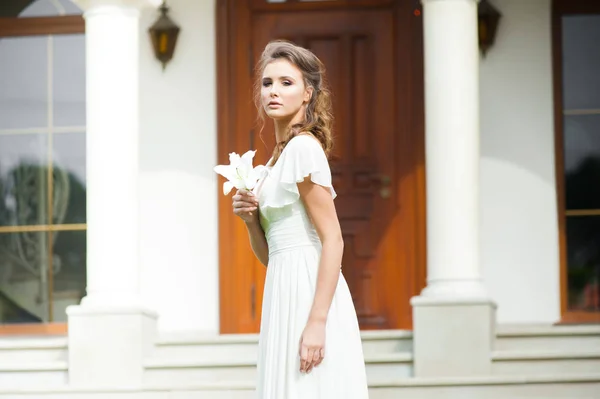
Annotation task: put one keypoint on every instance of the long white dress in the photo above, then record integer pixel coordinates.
(294, 253)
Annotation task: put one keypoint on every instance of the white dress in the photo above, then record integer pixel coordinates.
(294, 252)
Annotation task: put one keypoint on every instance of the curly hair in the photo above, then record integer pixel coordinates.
(318, 119)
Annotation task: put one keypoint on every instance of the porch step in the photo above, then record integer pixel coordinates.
(22, 375)
(160, 374)
(27, 361)
(548, 387)
(192, 348)
(548, 338)
(32, 349)
(546, 350)
(184, 362)
(545, 362)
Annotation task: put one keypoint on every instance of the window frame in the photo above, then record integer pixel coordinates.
(561, 8)
(39, 26)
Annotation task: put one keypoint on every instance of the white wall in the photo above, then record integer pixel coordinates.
(179, 247)
(519, 217)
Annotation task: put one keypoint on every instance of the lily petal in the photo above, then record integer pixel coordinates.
(227, 186)
(247, 157)
(243, 171)
(227, 171)
(240, 173)
(234, 159)
(239, 183)
(254, 176)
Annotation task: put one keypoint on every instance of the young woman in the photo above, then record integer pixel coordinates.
(310, 345)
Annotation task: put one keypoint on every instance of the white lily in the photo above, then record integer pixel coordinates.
(240, 173)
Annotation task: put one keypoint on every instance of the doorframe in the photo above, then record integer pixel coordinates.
(233, 43)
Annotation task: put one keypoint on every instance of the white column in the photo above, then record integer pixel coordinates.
(453, 317)
(110, 332)
(112, 155)
(452, 147)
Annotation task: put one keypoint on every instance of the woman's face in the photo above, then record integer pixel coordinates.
(283, 92)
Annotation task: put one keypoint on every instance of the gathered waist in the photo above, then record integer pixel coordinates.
(280, 250)
(289, 233)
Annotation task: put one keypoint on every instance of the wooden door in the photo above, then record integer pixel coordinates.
(374, 66)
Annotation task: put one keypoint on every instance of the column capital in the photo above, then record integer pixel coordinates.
(86, 5)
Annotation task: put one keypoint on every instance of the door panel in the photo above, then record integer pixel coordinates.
(374, 171)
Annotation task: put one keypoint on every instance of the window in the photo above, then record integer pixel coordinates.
(577, 98)
(42, 164)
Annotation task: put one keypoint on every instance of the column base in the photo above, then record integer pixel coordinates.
(108, 345)
(470, 289)
(453, 337)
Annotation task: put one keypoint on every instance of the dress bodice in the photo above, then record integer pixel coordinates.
(283, 216)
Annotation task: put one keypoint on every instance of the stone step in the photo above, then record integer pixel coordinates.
(25, 350)
(193, 348)
(531, 363)
(548, 338)
(181, 361)
(20, 375)
(514, 387)
(162, 373)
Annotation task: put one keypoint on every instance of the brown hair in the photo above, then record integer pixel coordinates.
(318, 118)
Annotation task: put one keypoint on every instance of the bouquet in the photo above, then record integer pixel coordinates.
(240, 173)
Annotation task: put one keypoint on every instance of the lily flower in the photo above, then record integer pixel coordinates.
(240, 173)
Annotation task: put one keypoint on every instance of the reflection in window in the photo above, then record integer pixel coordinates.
(42, 171)
(583, 241)
(581, 62)
(581, 139)
(23, 179)
(582, 161)
(23, 82)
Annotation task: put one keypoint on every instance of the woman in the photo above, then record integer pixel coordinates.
(310, 345)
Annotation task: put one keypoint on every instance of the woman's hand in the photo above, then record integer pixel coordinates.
(245, 205)
(312, 345)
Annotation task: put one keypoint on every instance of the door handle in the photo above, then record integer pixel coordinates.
(385, 182)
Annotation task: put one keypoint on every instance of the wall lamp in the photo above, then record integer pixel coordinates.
(488, 18)
(164, 33)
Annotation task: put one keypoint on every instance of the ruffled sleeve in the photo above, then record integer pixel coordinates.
(303, 156)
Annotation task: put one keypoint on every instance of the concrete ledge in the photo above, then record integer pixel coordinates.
(236, 362)
(112, 310)
(27, 343)
(526, 330)
(544, 355)
(407, 382)
(34, 367)
(450, 301)
(203, 338)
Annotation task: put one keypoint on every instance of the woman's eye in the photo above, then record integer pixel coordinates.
(287, 83)
(266, 84)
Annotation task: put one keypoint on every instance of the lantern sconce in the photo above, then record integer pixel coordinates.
(487, 18)
(164, 33)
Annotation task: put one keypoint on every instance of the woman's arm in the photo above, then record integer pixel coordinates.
(258, 241)
(245, 205)
(319, 205)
